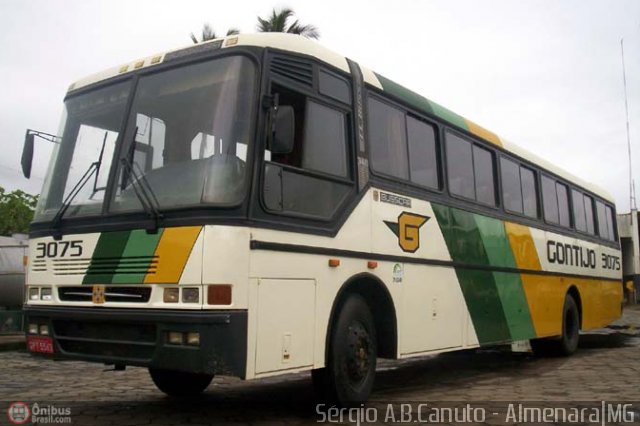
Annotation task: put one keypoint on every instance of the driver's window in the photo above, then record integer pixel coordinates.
(150, 142)
(99, 145)
(312, 178)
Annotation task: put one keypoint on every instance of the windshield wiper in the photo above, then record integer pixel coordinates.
(93, 168)
(67, 201)
(141, 187)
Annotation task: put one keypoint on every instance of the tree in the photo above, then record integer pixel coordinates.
(279, 22)
(208, 33)
(16, 211)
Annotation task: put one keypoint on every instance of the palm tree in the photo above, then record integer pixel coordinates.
(208, 33)
(278, 22)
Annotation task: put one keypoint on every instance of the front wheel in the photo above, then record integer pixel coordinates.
(180, 383)
(567, 343)
(348, 378)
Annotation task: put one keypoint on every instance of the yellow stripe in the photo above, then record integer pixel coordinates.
(483, 133)
(173, 251)
(545, 294)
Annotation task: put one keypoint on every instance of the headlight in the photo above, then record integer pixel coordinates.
(193, 339)
(171, 295)
(190, 295)
(45, 293)
(34, 293)
(44, 330)
(33, 328)
(175, 337)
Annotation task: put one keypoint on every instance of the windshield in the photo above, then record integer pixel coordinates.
(187, 135)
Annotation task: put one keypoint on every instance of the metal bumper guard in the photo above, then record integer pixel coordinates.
(139, 337)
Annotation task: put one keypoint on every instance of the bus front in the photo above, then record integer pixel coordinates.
(151, 170)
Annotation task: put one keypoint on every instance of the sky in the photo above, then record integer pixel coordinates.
(544, 74)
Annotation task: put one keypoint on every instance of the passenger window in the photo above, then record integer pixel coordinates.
(388, 139)
(603, 230)
(588, 209)
(511, 187)
(306, 180)
(549, 200)
(611, 223)
(563, 205)
(579, 218)
(423, 161)
(529, 193)
(483, 169)
(460, 167)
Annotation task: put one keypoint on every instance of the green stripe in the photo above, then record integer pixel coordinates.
(421, 103)
(140, 243)
(509, 285)
(110, 245)
(479, 288)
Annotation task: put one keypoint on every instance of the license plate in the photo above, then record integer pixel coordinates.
(40, 344)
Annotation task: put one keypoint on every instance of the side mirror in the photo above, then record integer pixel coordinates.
(27, 154)
(283, 130)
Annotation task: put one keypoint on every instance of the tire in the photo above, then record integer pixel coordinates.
(180, 383)
(567, 343)
(348, 378)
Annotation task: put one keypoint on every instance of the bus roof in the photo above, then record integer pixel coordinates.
(303, 45)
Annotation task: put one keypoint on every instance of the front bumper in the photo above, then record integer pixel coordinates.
(138, 337)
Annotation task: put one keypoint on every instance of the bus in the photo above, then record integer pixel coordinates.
(258, 205)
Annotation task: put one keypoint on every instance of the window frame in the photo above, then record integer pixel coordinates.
(537, 190)
(311, 94)
(414, 114)
(497, 186)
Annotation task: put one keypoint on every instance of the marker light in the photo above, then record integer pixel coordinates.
(34, 293)
(193, 339)
(175, 338)
(171, 295)
(33, 328)
(219, 294)
(45, 293)
(190, 295)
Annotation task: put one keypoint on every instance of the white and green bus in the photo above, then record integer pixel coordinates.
(259, 205)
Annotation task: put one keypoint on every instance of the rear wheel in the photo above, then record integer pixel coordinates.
(567, 343)
(348, 378)
(180, 383)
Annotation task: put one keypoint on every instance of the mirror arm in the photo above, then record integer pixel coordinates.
(46, 136)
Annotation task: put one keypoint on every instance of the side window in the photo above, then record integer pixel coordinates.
(579, 218)
(470, 170)
(325, 140)
(483, 168)
(563, 205)
(601, 213)
(460, 167)
(588, 210)
(312, 179)
(334, 86)
(549, 200)
(388, 139)
(423, 161)
(611, 223)
(511, 187)
(529, 193)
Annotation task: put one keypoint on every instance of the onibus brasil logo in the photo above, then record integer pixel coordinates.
(407, 229)
(19, 413)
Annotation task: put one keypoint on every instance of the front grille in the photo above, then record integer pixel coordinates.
(101, 265)
(111, 294)
(121, 340)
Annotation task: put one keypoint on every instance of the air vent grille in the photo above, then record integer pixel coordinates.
(297, 70)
